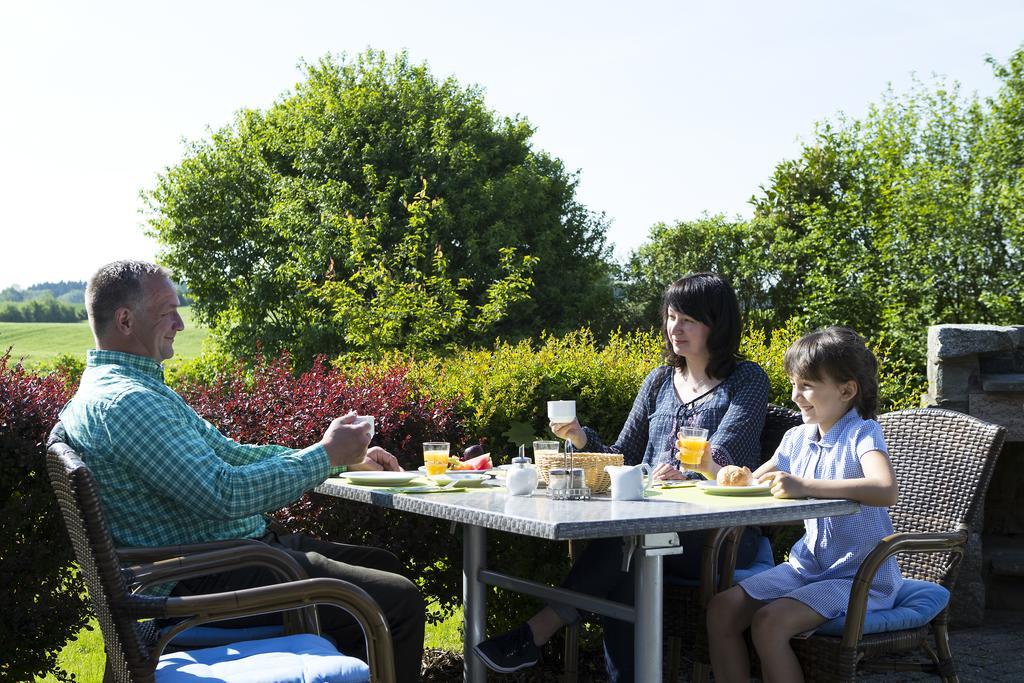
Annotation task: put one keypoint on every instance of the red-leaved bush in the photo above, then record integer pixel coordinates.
(272, 404)
(42, 600)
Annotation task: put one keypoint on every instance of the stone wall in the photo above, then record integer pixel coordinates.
(979, 370)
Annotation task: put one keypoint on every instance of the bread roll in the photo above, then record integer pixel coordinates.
(731, 475)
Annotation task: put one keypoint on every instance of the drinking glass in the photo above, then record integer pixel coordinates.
(692, 442)
(435, 457)
(544, 448)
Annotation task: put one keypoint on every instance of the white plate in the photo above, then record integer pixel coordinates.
(462, 478)
(714, 489)
(422, 469)
(380, 478)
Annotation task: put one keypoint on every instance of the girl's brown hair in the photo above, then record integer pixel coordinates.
(841, 355)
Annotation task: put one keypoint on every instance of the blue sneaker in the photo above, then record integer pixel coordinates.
(509, 652)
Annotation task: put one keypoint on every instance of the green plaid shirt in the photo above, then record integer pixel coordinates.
(166, 475)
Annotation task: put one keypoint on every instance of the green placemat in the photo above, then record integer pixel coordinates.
(697, 496)
(413, 484)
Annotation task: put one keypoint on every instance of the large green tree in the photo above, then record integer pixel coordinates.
(378, 207)
(733, 248)
(910, 216)
(890, 223)
(879, 224)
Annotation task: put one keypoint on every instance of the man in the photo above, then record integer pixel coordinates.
(168, 477)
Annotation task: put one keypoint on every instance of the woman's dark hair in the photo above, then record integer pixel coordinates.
(838, 354)
(707, 298)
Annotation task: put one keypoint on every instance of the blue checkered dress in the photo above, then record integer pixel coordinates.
(733, 413)
(823, 562)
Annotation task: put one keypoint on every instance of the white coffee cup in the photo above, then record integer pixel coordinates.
(368, 419)
(561, 411)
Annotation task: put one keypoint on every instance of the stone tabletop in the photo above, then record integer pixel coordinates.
(541, 517)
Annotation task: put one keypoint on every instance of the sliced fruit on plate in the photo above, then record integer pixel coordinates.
(481, 462)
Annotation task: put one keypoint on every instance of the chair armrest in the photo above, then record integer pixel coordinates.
(717, 541)
(200, 564)
(199, 609)
(895, 544)
(182, 567)
(152, 554)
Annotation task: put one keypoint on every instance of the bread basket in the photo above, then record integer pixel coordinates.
(592, 464)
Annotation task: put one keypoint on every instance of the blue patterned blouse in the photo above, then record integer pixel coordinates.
(733, 413)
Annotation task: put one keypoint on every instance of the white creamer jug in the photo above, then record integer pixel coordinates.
(628, 481)
(521, 479)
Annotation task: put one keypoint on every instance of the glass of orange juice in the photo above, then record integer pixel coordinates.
(435, 457)
(692, 442)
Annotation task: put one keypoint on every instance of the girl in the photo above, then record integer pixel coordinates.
(838, 453)
(703, 384)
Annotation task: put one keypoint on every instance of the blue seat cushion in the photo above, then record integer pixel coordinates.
(917, 603)
(302, 658)
(762, 560)
(208, 636)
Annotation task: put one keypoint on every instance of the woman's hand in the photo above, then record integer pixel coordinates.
(667, 472)
(784, 484)
(570, 431)
(707, 465)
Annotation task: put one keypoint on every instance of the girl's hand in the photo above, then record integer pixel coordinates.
(784, 484)
(666, 472)
(570, 431)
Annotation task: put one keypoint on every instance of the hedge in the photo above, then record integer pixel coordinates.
(43, 603)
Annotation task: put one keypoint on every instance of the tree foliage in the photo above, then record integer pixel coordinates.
(733, 248)
(910, 216)
(47, 310)
(881, 223)
(379, 207)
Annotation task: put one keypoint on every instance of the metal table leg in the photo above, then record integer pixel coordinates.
(649, 585)
(474, 597)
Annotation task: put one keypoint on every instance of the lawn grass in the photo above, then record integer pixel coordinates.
(39, 342)
(84, 656)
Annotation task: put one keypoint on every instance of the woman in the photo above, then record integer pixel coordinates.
(703, 384)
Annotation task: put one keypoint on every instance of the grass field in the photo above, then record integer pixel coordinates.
(38, 342)
(84, 657)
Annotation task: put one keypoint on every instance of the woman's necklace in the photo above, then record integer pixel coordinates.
(690, 389)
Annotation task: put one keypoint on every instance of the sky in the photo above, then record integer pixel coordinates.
(666, 109)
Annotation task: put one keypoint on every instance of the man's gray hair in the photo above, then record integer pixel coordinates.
(117, 285)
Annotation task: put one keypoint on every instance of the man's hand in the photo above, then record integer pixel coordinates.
(377, 459)
(346, 440)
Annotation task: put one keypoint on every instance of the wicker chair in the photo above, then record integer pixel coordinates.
(685, 604)
(133, 645)
(943, 461)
